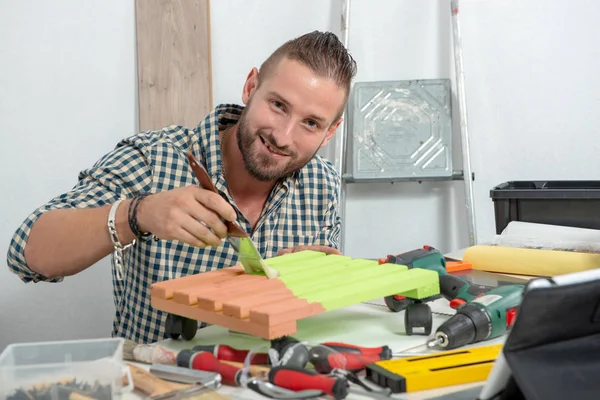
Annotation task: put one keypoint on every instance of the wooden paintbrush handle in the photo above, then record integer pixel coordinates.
(151, 385)
(205, 182)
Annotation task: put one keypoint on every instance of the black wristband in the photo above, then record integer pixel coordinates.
(132, 217)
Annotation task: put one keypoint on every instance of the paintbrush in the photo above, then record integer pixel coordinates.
(156, 354)
(148, 353)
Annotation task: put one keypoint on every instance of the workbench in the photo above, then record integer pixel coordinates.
(369, 324)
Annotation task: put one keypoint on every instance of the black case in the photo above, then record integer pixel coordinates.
(553, 350)
(564, 203)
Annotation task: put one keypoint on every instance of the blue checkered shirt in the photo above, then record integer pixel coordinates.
(301, 210)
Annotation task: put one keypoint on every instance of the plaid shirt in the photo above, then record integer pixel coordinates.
(301, 210)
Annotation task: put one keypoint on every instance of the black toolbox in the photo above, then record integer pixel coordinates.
(565, 203)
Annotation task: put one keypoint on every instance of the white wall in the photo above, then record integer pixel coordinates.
(532, 81)
(401, 40)
(67, 95)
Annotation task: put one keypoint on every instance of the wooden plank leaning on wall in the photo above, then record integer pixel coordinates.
(174, 62)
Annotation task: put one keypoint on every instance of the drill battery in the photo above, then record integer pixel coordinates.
(436, 370)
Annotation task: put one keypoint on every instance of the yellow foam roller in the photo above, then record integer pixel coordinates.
(533, 262)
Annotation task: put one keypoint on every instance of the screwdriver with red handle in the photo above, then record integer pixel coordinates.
(228, 353)
(384, 352)
(297, 379)
(325, 359)
(206, 361)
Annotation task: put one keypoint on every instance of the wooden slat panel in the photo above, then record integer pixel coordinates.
(174, 64)
(189, 294)
(165, 289)
(216, 301)
(270, 308)
(241, 325)
(284, 312)
(213, 300)
(240, 307)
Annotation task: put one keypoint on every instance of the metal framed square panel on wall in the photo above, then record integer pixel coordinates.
(400, 129)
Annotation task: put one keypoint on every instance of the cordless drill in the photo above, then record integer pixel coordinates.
(454, 289)
(485, 317)
(483, 312)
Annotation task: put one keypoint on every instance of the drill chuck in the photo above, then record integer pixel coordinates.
(470, 324)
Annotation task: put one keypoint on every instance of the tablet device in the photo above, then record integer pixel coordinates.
(553, 349)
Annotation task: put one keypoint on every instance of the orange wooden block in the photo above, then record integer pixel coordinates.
(240, 307)
(165, 289)
(189, 295)
(214, 300)
(218, 318)
(279, 313)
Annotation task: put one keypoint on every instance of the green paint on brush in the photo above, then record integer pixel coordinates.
(251, 260)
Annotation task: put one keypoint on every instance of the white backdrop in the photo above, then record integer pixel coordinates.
(67, 95)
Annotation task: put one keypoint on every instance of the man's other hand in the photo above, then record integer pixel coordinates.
(324, 249)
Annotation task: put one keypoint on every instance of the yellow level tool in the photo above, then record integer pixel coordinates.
(436, 370)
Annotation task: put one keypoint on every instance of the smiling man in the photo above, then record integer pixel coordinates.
(142, 203)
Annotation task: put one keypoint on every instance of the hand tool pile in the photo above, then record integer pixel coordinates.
(296, 369)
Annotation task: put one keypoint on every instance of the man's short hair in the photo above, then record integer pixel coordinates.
(321, 52)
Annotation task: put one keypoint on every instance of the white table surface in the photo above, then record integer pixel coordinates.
(369, 324)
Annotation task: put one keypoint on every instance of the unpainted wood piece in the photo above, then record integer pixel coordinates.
(174, 62)
(151, 385)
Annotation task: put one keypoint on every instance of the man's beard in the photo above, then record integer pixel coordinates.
(261, 166)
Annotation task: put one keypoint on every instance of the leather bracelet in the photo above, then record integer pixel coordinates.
(132, 217)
